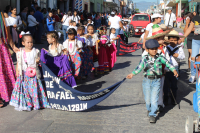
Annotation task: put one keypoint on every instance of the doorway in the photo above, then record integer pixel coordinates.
(86, 7)
(91, 7)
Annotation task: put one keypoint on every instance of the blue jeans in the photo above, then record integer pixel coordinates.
(117, 32)
(32, 30)
(39, 31)
(151, 90)
(64, 29)
(195, 52)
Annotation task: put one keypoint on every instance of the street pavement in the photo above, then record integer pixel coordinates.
(122, 112)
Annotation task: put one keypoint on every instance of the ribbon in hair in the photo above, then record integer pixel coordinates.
(24, 33)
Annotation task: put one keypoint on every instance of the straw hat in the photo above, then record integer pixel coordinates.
(175, 33)
(164, 27)
(156, 32)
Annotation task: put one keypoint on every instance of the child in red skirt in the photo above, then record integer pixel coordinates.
(103, 56)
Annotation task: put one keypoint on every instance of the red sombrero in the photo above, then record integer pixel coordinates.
(156, 32)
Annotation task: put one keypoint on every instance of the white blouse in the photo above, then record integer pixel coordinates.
(72, 46)
(93, 40)
(15, 20)
(30, 58)
(57, 51)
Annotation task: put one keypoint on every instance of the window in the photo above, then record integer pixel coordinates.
(140, 18)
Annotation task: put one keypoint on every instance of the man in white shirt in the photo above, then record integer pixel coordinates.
(115, 22)
(170, 18)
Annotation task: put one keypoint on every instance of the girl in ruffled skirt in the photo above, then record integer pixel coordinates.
(28, 92)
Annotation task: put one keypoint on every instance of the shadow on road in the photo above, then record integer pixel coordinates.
(129, 55)
(122, 65)
(184, 88)
(90, 87)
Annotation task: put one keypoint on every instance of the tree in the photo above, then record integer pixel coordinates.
(136, 9)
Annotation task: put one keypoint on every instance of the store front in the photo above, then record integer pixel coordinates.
(13, 3)
(63, 5)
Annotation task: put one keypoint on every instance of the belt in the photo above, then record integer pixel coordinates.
(153, 77)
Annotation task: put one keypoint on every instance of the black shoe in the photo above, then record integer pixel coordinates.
(152, 119)
(160, 108)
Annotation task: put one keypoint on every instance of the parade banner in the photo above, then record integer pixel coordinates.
(123, 48)
(63, 97)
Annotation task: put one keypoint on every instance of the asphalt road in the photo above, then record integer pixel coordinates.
(122, 112)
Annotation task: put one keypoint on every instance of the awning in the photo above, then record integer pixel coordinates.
(171, 4)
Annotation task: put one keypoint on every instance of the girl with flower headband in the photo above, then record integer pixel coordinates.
(103, 54)
(28, 93)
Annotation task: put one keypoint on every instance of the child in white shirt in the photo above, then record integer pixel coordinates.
(175, 54)
(73, 47)
(113, 38)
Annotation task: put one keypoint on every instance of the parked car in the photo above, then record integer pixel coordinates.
(138, 23)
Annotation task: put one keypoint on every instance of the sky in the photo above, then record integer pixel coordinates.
(142, 5)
